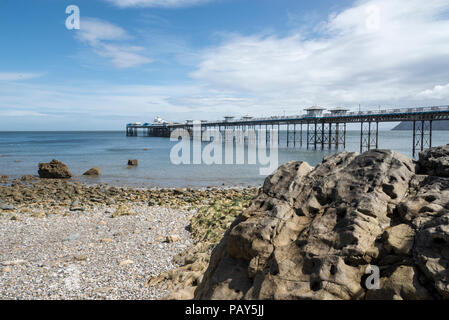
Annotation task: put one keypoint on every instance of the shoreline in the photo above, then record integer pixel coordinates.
(123, 183)
(62, 239)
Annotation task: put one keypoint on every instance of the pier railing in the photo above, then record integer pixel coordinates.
(380, 112)
(326, 130)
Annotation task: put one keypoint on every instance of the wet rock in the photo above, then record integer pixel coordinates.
(92, 172)
(132, 162)
(54, 170)
(311, 233)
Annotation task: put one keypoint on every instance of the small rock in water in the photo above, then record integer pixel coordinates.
(178, 191)
(132, 162)
(54, 170)
(92, 172)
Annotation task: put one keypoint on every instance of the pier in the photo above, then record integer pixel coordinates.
(319, 128)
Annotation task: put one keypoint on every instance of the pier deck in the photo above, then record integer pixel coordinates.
(322, 130)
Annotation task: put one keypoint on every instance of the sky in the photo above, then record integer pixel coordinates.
(133, 60)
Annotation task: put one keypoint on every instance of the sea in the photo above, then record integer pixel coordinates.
(20, 153)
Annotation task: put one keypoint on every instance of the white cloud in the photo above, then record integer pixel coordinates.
(94, 30)
(400, 62)
(101, 36)
(437, 92)
(356, 58)
(157, 3)
(17, 76)
(20, 113)
(123, 57)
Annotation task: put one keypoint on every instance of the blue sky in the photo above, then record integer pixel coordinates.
(135, 59)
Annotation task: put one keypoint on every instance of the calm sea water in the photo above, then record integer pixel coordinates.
(20, 153)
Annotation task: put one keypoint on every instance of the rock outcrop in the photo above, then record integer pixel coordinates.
(54, 170)
(435, 161)
(314, 233)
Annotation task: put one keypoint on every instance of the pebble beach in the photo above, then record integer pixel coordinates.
(61, 239)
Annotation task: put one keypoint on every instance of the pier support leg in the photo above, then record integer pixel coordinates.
(337, 136)
(369, 138)
(377, 134)
(323, 134)
(279, 133)
(422, 135)
(414, 138)
(361, 137)
(430, 133)
(266, 134)
(308, 135)
(294, 135)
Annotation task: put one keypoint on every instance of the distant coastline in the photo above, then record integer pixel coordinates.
(442, 125)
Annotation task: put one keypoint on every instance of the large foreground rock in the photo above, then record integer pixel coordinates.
(312, 233)
(54, 170)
